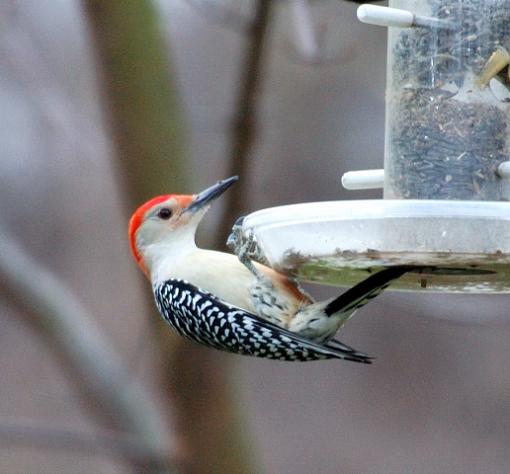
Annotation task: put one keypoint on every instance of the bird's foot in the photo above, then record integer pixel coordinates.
(244, 244)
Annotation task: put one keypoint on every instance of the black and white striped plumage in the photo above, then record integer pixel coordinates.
(203, 318)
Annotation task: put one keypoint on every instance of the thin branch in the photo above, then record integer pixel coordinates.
(244, 124)
(216, 13)
(304, 31)
(96, 368)
(41, 434)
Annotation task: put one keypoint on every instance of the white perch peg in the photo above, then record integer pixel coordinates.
(366, 179)
(396, 17)
(504, 170)
(385, 16)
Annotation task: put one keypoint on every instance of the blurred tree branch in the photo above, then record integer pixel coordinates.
(305, 35)
(41, 434)
(142, 106)
(233, 16)
(244, 122)
(93, 365)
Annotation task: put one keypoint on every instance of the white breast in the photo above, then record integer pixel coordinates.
(218, 273)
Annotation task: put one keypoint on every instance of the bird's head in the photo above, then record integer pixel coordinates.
(168, 223)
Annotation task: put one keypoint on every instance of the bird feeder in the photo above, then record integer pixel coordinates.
(446, 175)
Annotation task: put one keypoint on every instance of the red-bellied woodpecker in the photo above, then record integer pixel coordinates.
(247, 308)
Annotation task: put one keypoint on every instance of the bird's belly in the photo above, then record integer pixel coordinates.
(230, 283)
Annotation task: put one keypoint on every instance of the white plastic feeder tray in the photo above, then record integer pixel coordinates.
(339, 242)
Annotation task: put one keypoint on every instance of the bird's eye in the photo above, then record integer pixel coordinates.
(165, 213)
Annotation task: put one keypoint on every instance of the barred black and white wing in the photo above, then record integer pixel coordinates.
(203, 318)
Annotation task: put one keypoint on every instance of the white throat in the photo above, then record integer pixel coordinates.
(162, 256)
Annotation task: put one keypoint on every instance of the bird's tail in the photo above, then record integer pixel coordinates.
(360, 294)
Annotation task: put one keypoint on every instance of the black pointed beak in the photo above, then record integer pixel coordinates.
(211, 193)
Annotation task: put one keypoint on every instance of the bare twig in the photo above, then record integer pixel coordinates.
(96, 368)
(44, 435)
(306, 40)
(244, 124)
(233, 15)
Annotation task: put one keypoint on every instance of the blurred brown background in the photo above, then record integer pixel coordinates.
(436, 400)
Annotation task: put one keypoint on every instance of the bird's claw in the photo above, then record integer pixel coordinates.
(244, 244)
(245, 249)
(236, 235)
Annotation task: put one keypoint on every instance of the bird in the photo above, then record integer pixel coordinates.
(230, 303)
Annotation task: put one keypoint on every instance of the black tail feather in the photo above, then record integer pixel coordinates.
(367, 289)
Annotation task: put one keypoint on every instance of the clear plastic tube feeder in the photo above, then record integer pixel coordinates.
(448, 101)
(446, 175)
